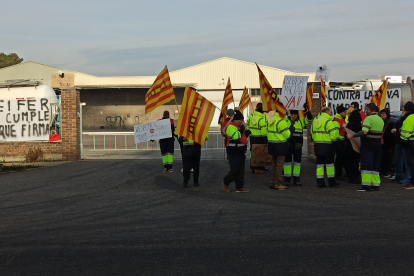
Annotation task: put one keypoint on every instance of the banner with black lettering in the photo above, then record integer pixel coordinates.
(24, 120)
(338, 97)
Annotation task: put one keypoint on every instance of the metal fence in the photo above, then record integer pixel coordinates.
(103, 141)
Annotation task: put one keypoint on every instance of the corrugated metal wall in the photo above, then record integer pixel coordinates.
(214, 74)
(211, 75)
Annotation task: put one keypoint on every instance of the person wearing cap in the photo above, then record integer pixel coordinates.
(277, 134)
(236, 146)
(340, 124)
(371, 152)
(324, 134)
(407, 139)
(296, 126)
(257, 124)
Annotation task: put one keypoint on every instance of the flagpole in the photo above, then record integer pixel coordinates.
(176, 105)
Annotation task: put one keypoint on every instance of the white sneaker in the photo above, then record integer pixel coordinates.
(181, 170)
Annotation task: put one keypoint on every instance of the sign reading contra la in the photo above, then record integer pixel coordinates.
(24, 120)
(337, 97)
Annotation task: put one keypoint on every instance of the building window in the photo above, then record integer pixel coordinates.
(256, 92)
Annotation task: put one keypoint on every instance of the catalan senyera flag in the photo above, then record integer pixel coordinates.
(380, 96)
(309, 97)
(161, 91)
(323, 95)
(269, 98)
(245, 100)
(227, 99)
(195, 116)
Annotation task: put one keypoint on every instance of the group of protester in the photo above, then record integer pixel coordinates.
(381, 141)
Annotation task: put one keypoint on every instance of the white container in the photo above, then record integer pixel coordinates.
(30, 92)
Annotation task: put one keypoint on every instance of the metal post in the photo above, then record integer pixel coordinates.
(81, 131)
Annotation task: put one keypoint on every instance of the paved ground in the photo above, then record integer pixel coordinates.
(126, 217)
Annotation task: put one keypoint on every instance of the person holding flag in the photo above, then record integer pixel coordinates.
(191, 155)
(236, 146)
(161, 92)
(257, 124)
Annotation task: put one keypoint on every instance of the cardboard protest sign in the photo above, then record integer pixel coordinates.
(152, 131)
(260, 157)
(24, 120)
(294, 92)
(338, 97)
(355, 142)
(324, 73)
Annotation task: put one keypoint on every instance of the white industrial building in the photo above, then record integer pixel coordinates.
(124, 96)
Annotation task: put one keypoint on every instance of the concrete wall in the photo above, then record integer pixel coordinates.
(66, 149)
(101, 103)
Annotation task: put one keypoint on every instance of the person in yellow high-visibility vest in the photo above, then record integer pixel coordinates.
(324, 134)
(236, 146)
(371, 151)
(277, 134)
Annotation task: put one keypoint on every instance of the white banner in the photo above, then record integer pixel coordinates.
(24, 120)
(152, 131)
(294, 92)
(338, 97)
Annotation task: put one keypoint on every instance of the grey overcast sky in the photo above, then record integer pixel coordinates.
(357, 39)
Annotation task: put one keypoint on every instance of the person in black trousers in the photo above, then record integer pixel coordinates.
(191, 153)
(351, 156)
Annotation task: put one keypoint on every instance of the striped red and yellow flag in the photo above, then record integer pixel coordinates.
(161, 91)
(380, 96)
(309, 97)
(195, 116)
(323, 95)
(269, 98)
(245, 100)
(227, 99)
(301, 114)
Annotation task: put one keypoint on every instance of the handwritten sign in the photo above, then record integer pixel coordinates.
(67, 81)
(152, 131)
(324, 73)
(294, 92)
(24, 120)
(260, 157)
(338, 97)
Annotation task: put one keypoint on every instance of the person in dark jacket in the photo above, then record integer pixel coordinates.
(387, 144)
(353, 157)
(191, 154)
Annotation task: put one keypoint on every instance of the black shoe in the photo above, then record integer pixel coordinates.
(287, 183)
(185, 185)
(297, 184)
(362, 189)
(375, 188)
(196, 184)
(336, 186)
(340, 178)
(324, 186)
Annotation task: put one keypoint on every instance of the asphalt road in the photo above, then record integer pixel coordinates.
(126, 217)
